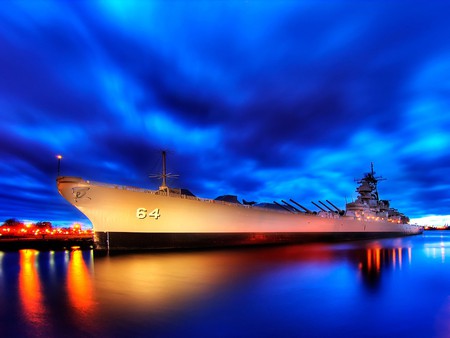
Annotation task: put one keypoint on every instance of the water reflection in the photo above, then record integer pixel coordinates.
(172, 281)
(438, 249)
(376, 259)
(1, 270)
(79, 286)
(316, 289)
(51, 285)
(156, 282)
(30, 291)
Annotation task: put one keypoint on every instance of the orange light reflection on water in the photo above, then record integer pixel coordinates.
(374, 259)
(377, 257)
(79, 287)
(31, 297)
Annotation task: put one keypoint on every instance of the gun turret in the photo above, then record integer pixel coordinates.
(318, 206)
(338, 210)
(301, 206)
(291, 206)
(282, 206)
(326, 206)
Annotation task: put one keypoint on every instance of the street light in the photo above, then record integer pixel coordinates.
(59, 157)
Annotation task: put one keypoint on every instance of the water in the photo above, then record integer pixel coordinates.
(387, 288)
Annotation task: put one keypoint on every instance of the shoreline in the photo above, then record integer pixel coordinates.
(47, 243)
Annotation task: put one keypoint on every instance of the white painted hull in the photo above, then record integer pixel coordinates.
(123, 215)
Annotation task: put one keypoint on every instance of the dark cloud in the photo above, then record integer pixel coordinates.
(267, 100)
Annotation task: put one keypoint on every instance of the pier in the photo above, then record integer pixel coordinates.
(61, 242)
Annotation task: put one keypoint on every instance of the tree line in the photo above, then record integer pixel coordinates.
(15, 223)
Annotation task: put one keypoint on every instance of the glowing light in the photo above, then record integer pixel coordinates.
(76, 227)
(30, 290)
(79, 285)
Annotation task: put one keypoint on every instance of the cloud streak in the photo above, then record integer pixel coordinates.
(266, 100)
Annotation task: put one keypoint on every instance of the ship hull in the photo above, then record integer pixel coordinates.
(126, 218)
(122, 241)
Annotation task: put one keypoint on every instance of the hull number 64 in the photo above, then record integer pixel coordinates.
(142, 213)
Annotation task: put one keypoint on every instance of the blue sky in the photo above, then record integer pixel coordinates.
(267, 100)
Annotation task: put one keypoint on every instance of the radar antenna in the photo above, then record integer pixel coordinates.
(164, 175)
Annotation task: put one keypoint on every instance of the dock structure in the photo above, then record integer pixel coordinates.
(46, 244)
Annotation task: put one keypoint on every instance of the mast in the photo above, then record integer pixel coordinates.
(164, 173)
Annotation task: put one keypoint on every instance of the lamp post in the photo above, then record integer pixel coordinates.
(59, 157)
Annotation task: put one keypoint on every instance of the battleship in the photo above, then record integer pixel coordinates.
(130, 218)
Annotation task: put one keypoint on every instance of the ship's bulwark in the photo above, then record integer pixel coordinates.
(132, 218)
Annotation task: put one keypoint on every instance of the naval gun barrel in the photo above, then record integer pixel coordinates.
(318, 206)
(301, 206)
(326, 206)
(291, 206)
(282, 206)
(338, 210)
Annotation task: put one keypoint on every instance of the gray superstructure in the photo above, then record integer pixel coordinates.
(368, 203)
